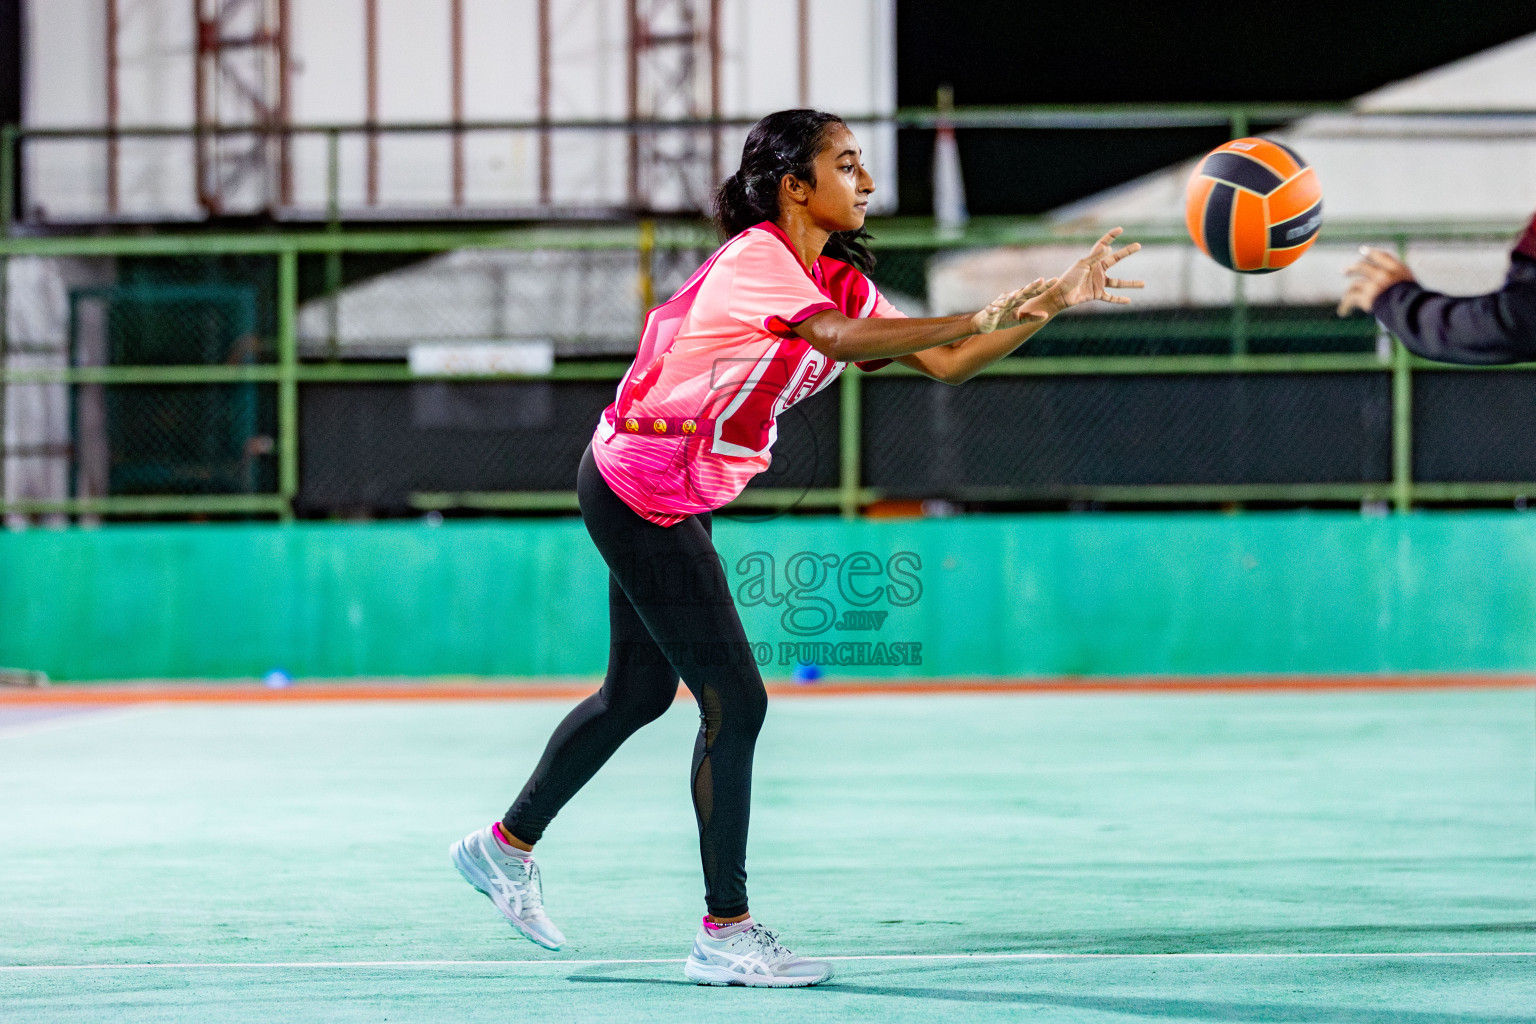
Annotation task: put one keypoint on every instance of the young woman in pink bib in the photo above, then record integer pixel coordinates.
(774, 316)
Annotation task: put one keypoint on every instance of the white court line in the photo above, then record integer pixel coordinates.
(354, 964)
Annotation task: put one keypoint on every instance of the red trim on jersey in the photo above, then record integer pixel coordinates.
(1527, 244)
(784, 327)
(850, 290)
(663, 470)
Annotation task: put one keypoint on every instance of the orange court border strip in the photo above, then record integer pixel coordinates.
(245, 691)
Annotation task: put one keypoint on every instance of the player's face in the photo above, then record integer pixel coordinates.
(843, 186)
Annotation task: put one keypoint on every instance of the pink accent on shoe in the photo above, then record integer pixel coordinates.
(715, 928)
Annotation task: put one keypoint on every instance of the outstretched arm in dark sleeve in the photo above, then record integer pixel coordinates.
(1479, 329)
(1496, 328)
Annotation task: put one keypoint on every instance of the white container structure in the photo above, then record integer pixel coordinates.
(174, 110)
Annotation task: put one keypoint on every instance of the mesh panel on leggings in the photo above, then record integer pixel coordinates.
(1474, 427)
(923, 437)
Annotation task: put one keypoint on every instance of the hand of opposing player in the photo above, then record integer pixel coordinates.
(1007, 310)
(1377, 271)
(1087, 279)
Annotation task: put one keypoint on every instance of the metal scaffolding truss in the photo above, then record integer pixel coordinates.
(243, 139)
(241, 81)
(674, 75)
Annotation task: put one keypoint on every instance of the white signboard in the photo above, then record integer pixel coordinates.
(481, 358)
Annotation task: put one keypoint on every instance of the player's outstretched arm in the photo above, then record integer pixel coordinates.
(1477, 329)
(1086, 280)
(847, 339)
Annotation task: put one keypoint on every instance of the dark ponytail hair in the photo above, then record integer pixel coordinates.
(785, 142)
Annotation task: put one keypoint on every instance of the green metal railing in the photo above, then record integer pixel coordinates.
(1238, 119)
(288, 372)
(331, 241)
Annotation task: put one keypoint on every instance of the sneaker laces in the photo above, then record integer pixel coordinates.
(526, 893)
(767, 941)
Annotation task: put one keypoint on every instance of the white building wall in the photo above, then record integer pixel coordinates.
(852, 73)
(66, 88)
(36, 432)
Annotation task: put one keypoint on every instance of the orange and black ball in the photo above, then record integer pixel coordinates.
(1253, 205)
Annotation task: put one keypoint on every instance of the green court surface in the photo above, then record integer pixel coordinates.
(1357, 857)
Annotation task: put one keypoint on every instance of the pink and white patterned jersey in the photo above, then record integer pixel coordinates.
(697, 411)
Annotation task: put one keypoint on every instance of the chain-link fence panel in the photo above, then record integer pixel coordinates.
(180, 439)
(902, 275)
(378, 447)
(806, 453)
(129, 325)
(1280, 330)
(583, 302)
(672, 267)
(371, 447)
(143, 376)
(180, 311)
(1191, 305)
(135, 439)
(1474, 427)
(1029, 433)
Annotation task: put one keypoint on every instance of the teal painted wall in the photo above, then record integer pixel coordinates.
(979, 595)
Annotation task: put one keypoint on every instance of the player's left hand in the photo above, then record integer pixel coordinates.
(1377, 271)
(1088, 278)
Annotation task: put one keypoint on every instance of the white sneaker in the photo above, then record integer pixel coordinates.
(751, 957)
(511, 882)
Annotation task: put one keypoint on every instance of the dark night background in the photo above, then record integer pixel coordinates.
(10, 61)
(996, 52)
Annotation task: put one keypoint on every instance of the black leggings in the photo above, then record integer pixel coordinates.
(670, 613)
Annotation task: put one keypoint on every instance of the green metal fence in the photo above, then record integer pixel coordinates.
(269, 366)
(285, 372)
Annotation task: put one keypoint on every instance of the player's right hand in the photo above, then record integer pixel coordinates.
(1377, 271)
(1007, 310)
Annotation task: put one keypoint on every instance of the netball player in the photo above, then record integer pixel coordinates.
(774, 316)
